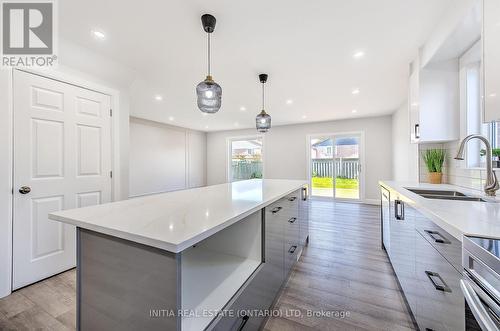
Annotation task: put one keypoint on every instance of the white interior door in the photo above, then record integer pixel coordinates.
(62, 157)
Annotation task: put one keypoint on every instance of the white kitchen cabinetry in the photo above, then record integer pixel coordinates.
(434, 103)
(491, 60)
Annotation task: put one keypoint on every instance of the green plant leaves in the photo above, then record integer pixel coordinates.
(434, 159)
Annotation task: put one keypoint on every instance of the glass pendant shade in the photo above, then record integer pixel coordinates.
(263, 122)
(208, 92)
(209, 96)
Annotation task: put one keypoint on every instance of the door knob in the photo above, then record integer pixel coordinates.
(25, 190)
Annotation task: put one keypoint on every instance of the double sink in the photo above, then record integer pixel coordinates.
(445, 195)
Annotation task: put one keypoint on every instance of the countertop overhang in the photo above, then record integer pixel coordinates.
(174, 221)
(480, 219)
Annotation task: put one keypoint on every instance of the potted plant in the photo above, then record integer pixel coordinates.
(434, 159)
(496, 156)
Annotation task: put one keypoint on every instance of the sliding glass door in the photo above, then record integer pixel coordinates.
(335, 164)
(245, 159)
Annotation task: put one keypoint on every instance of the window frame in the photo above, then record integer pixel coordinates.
(468, 61)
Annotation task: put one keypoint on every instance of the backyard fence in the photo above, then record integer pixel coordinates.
(246, 169)
(345, 168)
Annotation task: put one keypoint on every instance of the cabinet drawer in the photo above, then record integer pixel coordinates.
(449, 247)
(440, 302)
(258, 295)
(292, 229)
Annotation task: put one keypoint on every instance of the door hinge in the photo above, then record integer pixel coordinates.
(111, 174)
(110, 112)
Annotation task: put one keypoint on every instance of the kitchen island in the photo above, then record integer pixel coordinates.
(204, 258)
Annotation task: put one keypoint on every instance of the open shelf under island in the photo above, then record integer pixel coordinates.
(210, 258)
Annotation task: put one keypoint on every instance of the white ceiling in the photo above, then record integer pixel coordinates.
(306, 47)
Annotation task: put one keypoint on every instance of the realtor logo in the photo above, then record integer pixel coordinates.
(28, 30)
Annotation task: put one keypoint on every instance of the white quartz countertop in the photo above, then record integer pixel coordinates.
(174, 221)
(481, 219)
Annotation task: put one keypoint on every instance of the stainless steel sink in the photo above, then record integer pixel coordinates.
(459, 198)
(437, 192)
(445, 195)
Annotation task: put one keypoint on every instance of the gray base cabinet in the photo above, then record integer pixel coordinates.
(426, 260)
(284, 220)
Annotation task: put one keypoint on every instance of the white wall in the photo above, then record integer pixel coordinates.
(404, 154)
(5, 183)
(285, 150)
(164, 157)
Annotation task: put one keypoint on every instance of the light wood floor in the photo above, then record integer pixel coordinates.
(342, 270)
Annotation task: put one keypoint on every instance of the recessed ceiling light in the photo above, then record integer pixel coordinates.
(204, 114)
(98, 34)
(355, 91)
(492, 95)
(171, 118)
(243, 108)
(304, 117)
(354, 111)
(158, 98)
(206, 126)
(358, 54)
(236, 124)
(289, 101)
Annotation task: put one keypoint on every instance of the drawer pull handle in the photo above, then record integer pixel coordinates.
(244, 321)
(292, 220)
(292, 199)
(276, 209)
(440, 287)
(437, 237)
(292, 249)
(399, 210)
(304, 194)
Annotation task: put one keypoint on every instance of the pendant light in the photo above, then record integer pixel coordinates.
(263, 120)
(209, 93)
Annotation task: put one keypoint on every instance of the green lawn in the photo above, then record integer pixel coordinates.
(326, 182)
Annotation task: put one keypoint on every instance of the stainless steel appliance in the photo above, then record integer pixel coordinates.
(481, 283)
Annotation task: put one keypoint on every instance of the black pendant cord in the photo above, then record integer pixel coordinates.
(209, 73)
(263, 97)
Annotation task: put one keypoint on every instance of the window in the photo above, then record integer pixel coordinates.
(470, 87)
(245, 157)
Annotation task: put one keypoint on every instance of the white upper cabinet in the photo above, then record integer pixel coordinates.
(434, 81)
(434, 104)
(491, 60)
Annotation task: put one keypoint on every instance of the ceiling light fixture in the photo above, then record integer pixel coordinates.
(263, 120)
(170, 118)
(358, 54)
(243, 108)
(355, 91)
(304, 117)
(354, 111)
(209, 92)
(98, 34)
(289, 101)
(158, 98)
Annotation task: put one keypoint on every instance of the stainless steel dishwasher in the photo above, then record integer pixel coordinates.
(481, 283)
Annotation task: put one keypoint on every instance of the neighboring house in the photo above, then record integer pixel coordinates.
(246, 149)
(344, 148)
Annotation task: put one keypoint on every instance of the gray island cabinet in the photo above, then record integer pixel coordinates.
(211, 258)
(427, 263)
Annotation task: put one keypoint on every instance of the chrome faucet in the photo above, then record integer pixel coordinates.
(491, 185)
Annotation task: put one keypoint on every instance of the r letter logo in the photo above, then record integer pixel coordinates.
(28, 32)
